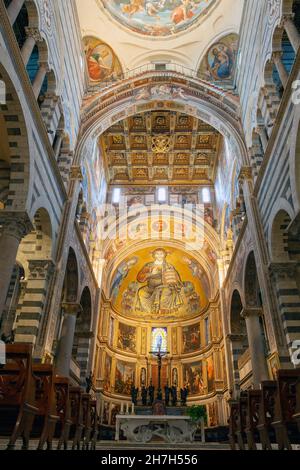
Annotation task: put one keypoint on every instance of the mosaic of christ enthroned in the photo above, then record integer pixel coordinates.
(157, 283)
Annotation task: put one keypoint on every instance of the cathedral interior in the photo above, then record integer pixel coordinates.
(150, 220)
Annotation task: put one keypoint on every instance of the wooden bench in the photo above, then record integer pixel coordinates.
(45, 399)
(94, 425)
(241, 421)
(17, 400)
(254, 398)
(296, 416)
(63, 409)
(285, 407)
(76, 416)
(233, 420)
(266, 413)
(87, 421)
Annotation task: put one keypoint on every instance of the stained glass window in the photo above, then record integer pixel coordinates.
(159, 339)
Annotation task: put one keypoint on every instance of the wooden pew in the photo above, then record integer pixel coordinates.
(285, 407)
(233, 420)
(17, 401)
(241, 421)
(94, 425)
(296, 416)
(76, 416)
(266, 412)
(63, 409)
(86, 418)
(254, 398)
(45, 399)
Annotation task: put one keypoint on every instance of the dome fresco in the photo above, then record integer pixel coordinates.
(157, 17)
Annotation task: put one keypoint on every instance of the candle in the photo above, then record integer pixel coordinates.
(132, 409)
(122, 408)
(127, 408)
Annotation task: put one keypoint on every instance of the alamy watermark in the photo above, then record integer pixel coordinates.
(296, 353)
(2, 93)
(2, 353)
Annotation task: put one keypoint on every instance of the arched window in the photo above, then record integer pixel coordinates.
(206, 197)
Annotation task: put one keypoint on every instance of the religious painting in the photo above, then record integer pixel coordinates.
(220, 61)
(102, 63)
(191, 338)
(158, 18)
(159, 340)
(210, 374)
(193, 378)
(274, 366)
(107, 372)
(127, 338)
(125, 377)
(157, 283)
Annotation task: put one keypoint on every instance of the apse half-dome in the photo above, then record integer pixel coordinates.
(158, 18)
(159, 283)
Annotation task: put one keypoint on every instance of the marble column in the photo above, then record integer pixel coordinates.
(15, 225)
(39, 79)
(256, 345)
(14, 9)
(291, 31)
(64, 354)
(33, 37)
(280, 68)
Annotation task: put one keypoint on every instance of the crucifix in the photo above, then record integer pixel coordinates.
(160, 355)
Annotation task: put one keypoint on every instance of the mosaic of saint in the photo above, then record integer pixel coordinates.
(220, 61)
(157, 17)
(157, 284)
(102, 63)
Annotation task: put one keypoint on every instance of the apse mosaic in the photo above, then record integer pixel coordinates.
(102, 62)
(157, 17)
(220, 61)
(157, 284)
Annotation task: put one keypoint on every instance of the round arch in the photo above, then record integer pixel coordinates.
(192, 97)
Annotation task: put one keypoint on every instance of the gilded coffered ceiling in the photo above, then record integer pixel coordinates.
(161, 147)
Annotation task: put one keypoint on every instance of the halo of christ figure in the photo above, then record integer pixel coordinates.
(162, 292)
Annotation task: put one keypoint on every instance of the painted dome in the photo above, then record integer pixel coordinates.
(157, 18)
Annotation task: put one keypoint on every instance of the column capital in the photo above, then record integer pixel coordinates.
(286, 18)
(286, 269)
(71, 308)
(33, 33)
(40, 269)
(76, 173)
(44, 65)
(15, 224)
(276, 56)
(245, 173)
(251, 312)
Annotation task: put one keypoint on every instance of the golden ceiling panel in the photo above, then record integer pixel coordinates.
(140, 173)
(139, 159)
(166, 146)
